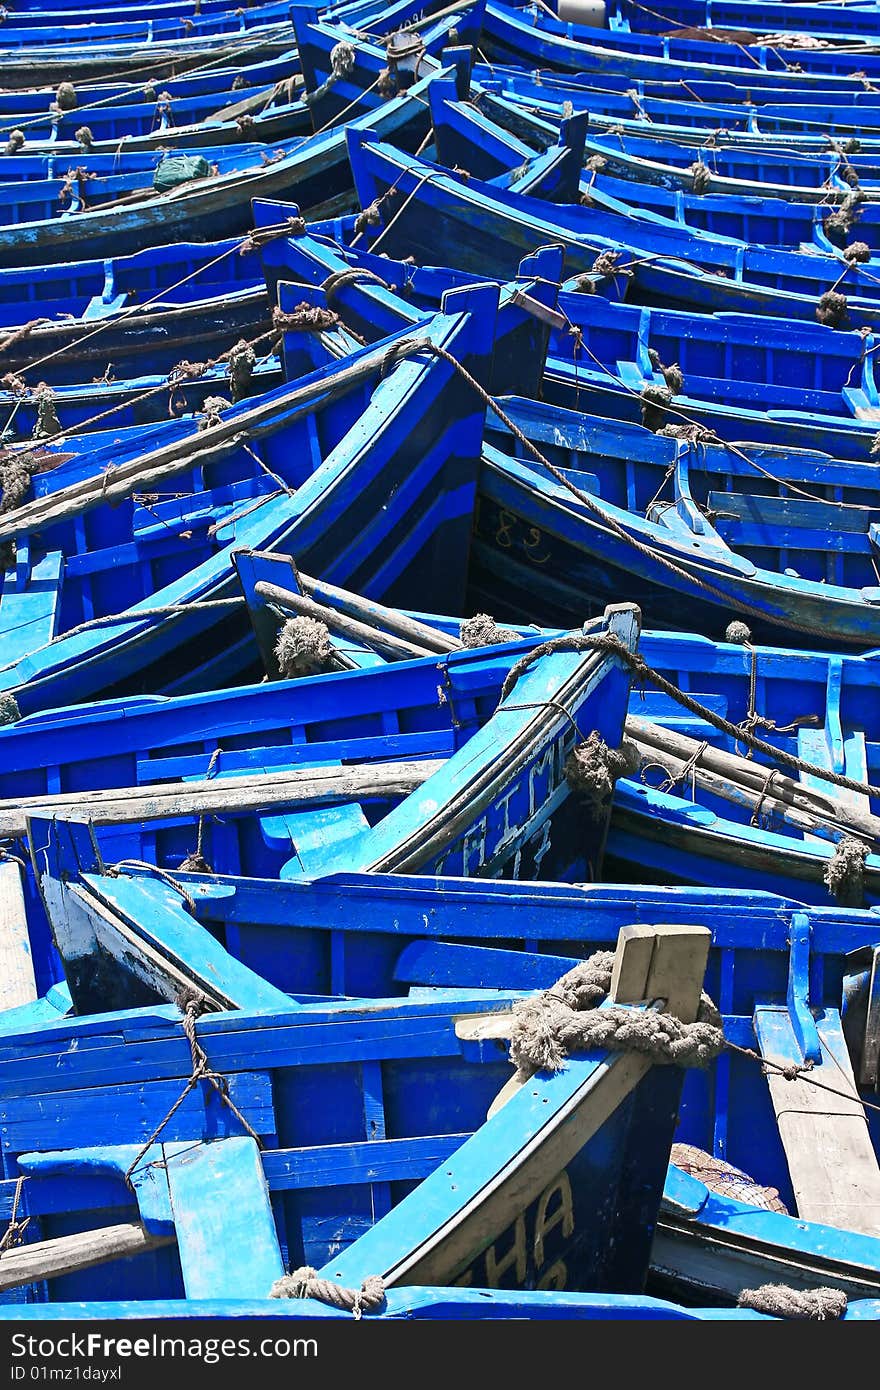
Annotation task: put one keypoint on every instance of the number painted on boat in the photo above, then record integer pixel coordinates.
(508, 535)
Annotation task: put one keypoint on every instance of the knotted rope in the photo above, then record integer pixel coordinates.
(196, 863)
(47, 422)
(738, 633)
(370, 217)
(303, 647)
(845, 871)
(9, 711)
(306, 1283)
(607, 264)
(211, 408)
(15, 482)
(857, 252)
(192, 1005)
(65, 97)
(653, 400)
(779, 1301)
(701, 175)
(482, 631)
(305, 318)
(844, 217)
(342, 61)
(673, 376)
(592, 768)
(242, 360)
(691, 433)
(291, 226)
(566, 1018)
(338, 279)
(832, 309)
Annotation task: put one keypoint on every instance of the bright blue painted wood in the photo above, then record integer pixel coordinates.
(223, 1220)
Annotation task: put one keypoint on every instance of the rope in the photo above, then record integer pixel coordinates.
(482, 631)
(338, 279)
(567, 1018)
(254, 238)
(196, 863)
(129, 87)
(592, 768)
(845, 871)
(183, 371)
(612, 644)
(306, 1283)
(779, 1301)
(303, 647)
(305, 318)
(14, 1232)
(192, 1005)
(113, 871)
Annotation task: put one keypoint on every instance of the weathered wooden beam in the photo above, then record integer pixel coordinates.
(129, 805)
(48, 1259)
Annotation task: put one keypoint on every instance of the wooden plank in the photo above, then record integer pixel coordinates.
(133, 805)
(17, 981)
(99, 1115)
(827, 1143)
(225, 1229)
(48, 1259)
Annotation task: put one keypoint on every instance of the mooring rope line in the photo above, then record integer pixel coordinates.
(14, 1233)
(612, 644)
(192, 1004)
(129, 616)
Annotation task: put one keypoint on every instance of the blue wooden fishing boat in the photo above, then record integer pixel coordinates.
(157, 121)
(536, 40)
(219, 205)
(821, 19)
(484, 225)
(818, 512)
(800, 824)
(475, 782)
(667, 108)
(105, 590)
(357, 58)
(134, 34)
(792, 982)
(431, 1188)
